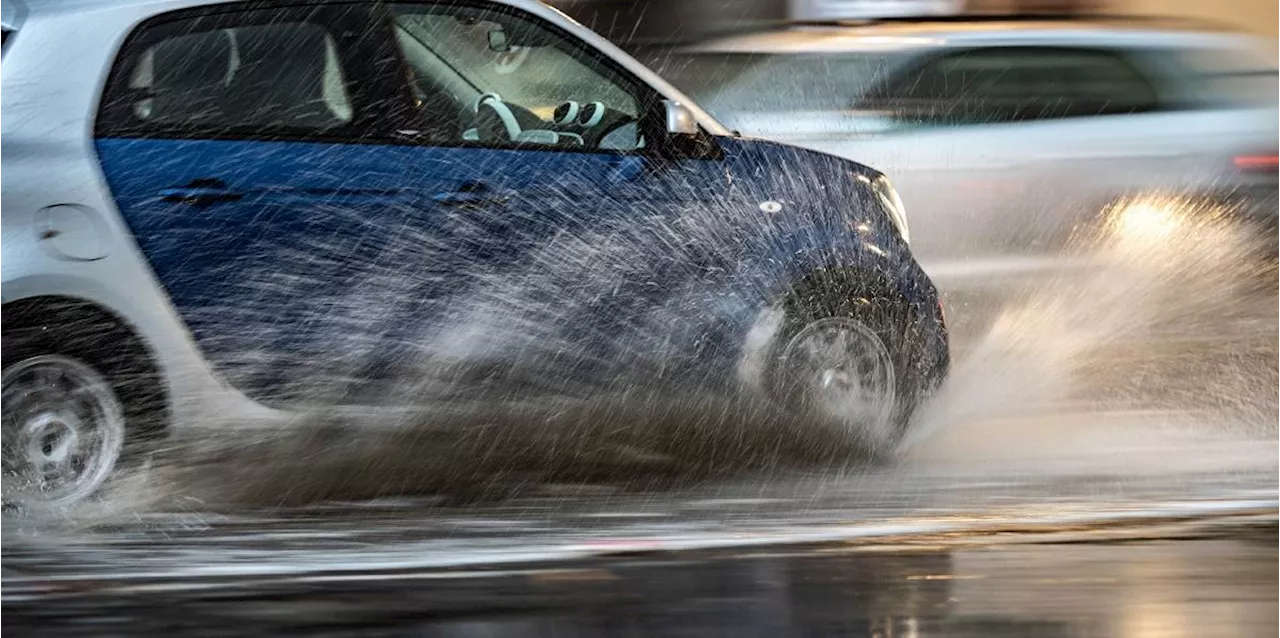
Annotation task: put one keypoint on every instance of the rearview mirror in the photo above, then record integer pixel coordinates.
(680, 120)
(498, 40)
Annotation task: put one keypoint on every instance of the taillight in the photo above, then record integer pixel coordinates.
(1256, 162)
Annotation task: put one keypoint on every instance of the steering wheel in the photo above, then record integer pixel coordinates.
(592, 120)
(615, 121)
(494, 119)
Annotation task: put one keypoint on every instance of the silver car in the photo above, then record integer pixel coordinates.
(1002, 135)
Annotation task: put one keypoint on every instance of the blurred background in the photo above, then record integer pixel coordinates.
(634, 20)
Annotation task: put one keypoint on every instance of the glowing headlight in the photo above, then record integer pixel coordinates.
(888, 196)
(1146, 220)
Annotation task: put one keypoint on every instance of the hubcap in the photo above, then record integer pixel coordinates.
(63, 430)
(840, 368)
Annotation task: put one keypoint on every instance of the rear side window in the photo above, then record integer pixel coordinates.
(1013, 84)
(264, 72)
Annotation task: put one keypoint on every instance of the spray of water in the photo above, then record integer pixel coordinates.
(1161, 274)
(1157, 266)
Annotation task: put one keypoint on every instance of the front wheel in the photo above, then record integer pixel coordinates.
(841, 355)
(839, 369)
(63, 429)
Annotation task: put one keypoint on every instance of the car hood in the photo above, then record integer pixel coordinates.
(817, 182)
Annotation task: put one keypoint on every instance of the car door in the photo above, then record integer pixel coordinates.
(248, 152)
(528, 163)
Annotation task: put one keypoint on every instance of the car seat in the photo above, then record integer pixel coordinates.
(287, 77)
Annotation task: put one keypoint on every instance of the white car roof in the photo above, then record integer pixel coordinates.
(46, 7)
(908, 36)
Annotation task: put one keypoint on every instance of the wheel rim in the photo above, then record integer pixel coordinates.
(841, 369)
(63, 430)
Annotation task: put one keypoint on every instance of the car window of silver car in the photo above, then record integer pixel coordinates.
(1013, 84)
(1225, 76)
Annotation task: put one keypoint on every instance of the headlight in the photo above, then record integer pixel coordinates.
(888, 196)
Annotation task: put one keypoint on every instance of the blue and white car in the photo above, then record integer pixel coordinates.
(230, 211)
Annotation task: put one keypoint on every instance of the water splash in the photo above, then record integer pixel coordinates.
(1158, 270)
(1159, 274)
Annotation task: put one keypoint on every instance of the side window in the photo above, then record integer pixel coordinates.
(498, 78)
(1012, 84)
(254, 72)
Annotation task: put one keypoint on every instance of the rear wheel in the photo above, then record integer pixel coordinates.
(81, 399)
(63, 430)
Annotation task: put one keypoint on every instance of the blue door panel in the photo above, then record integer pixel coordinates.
(261, 275)
(495, 253)
(299, 263)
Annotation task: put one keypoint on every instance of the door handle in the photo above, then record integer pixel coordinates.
(471, 195)
(204, 191)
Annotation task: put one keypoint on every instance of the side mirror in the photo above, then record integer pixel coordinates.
(683, 138)
(680, 120)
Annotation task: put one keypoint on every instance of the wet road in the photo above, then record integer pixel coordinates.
(1019, 541)
(1222, 586)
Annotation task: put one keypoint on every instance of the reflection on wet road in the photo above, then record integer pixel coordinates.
(1145, 589)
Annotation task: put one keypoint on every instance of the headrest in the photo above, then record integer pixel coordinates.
(281, 76)
(193, 61)
(294, 53)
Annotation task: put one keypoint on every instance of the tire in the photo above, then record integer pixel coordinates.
(873, 326)
(78, 406)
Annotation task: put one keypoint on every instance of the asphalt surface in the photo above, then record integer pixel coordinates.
(1148, 540)
(1221, 586)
